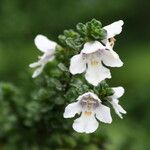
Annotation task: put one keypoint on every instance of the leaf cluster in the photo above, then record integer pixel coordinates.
(31, 116)
(74, 39)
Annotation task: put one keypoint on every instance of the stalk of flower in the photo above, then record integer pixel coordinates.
(94, 53)
(118, 92)
(90, 108)
(48, 48)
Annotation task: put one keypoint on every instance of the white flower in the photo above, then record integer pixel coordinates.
(90, 107)
(90, 60)
(48, 48)
(94, 53)
(118, 92)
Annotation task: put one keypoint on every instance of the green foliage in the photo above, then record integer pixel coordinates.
(71, 39)
(39, 114)
(20, 22)
(38, 123)
(91, 30)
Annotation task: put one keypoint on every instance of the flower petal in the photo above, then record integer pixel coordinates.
(72, 109)
(35, 64)
(95, 74)
(87, 124)
(77, 64)
(91, 47)
(43, 60)
(103, 114)
(88, 93)
(118, 108)
(47, 57)
(114, 28)
(44, 44)
(111, 58)
(119, 91)
(38, 71)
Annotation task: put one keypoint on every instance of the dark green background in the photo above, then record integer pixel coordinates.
(22, 20)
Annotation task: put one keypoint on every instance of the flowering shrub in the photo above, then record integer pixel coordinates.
(70, 78)
(94, 44)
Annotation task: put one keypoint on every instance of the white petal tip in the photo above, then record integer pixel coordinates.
(72, 71)
(34, 76)
(122, 89)
(108, 122)
(32, 65)
(120, 115)
(44, 44)
(118, 92)
(37, 72)
(121, 22)
(83, 130)
(119, 65)
(66, 116)
(89, 132)
(124, 112)
(95, 84)
(37, 38)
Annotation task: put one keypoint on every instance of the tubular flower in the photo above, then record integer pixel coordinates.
(118, 92)
(90, 60)
(90, 107)
(48, 48)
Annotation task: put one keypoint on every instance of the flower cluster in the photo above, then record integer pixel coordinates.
(93, 45)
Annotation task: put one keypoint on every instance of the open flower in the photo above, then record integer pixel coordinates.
(90, 107)
(90, 60)
(94, 53)
(118, 92)
(48, 48)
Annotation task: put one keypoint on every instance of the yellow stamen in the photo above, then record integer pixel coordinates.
(94, 62)
(112, 41)
(88, 113)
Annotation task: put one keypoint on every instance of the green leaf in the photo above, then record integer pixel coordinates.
(75, 44)
(63, 67)
(109, 91)
(81, 28)
(62, 39)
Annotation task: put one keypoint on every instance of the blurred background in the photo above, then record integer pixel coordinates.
(21, 21)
